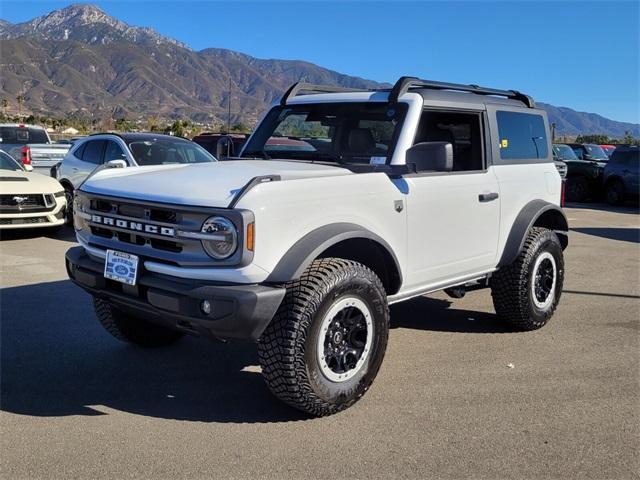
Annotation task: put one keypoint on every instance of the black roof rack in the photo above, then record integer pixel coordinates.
(405, 83)
(298, 87)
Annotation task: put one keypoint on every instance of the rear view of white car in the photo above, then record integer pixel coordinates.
(28, 199)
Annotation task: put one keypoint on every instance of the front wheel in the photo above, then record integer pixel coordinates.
(526, 293)
(325, 345)
(68, 213)
(615, 192)
(577, 189)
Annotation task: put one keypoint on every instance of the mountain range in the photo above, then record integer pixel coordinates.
(79, 60)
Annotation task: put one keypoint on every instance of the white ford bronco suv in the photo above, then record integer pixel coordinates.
(367, 198)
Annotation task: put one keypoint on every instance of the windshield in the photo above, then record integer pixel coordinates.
(331, 132)
(8, 163)
(162, 151)
(564, 152)
(596, 152)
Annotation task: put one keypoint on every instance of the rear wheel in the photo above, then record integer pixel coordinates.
(526, 293)
(615, 192)
(130, 329)
(577, 189)
(324, 346)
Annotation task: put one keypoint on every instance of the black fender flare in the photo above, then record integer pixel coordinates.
(309, 247)
(525, 220)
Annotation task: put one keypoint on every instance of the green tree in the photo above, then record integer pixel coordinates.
(123, 125)
(240, 128)
(176, 128)
(593, 138)
(629, 139)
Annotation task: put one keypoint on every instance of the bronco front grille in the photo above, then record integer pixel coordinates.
(143, 228)
(164, 233)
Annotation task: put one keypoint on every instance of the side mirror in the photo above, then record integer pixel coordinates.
(431, 156)
(224, 147)
(116, 164)
(28, 168)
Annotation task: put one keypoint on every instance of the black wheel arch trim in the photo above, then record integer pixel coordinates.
(523, 223)
(309, 247)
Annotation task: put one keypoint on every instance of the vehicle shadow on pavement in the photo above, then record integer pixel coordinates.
(435, 314)
(622, 234)
(630, 208)
(65, 233)
(56, 360)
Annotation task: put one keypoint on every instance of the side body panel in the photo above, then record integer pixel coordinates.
(286, 211)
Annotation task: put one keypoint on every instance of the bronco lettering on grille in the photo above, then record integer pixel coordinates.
(134, 226)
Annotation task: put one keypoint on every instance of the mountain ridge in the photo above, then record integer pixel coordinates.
(81, 61)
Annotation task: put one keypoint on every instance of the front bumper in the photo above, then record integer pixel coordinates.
(240, 312)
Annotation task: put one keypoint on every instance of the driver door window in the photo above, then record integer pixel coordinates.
(113, 151)
(453, 228)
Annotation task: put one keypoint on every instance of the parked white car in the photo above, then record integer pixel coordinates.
(28, 199)
(124, 150)
(301, 245)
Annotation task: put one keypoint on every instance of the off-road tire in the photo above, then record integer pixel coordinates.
(288, 348)
(614, 192)
(577, 189)
(131, 329)
(511, 286)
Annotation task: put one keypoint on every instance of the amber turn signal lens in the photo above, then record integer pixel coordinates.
(250, 236)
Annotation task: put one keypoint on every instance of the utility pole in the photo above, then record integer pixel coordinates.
(229, 107)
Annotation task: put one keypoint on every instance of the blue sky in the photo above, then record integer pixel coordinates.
(583, 55)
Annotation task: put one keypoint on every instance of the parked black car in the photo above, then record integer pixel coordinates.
(209, 141)
(622, 175)
(585, 166)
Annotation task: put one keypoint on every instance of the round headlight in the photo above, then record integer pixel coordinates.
(224, 237)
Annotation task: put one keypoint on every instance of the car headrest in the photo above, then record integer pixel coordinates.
(361, 140)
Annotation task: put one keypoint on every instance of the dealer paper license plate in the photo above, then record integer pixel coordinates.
(121, 267)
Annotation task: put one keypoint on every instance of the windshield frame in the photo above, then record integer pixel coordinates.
(270, 122)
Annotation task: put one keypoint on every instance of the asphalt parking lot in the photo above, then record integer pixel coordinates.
(76, 403)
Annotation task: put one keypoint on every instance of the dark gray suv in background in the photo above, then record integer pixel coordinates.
(622, 174)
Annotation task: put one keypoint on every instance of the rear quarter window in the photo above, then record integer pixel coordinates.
(522, 136)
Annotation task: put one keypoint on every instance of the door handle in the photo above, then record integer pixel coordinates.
(74, 169)
(488, 197)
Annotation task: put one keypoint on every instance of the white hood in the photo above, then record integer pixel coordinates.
(202, 184)
(17, 182)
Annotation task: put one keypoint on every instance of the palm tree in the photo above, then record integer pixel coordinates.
(20, 99)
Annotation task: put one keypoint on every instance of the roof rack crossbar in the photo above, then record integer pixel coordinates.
(298, 87)
(405, 83)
